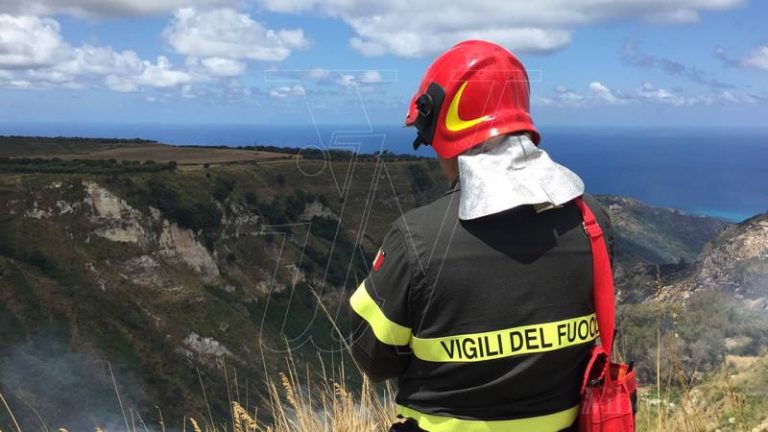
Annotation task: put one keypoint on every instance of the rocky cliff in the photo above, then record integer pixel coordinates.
(178, 274)
(654, 245)
(736, 262)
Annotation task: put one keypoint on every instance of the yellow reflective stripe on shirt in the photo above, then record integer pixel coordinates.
(509, 342)
(546, 423)
(386, 331)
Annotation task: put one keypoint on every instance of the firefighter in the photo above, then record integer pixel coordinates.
(480, 303)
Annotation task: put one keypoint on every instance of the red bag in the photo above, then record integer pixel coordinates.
(608, 391)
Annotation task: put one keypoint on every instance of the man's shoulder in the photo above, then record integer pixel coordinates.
(429, 217)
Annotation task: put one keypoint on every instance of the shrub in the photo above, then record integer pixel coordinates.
(295, 204)
(222, 188)
(251, 199)
(324, 228)
(184, 211)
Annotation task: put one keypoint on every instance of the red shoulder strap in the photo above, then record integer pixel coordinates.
(603, 290)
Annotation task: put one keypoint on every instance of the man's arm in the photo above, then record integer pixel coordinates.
(380, 312)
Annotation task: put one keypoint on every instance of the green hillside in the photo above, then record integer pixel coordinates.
(194, 284)
(164, 273)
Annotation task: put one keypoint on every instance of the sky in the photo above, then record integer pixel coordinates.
(597, 63)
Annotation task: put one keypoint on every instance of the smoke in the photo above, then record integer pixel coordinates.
(44, 381)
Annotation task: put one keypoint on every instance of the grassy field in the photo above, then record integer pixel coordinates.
(184, 156)
(128, 150)
(18, 146)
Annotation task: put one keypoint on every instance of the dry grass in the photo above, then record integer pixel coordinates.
(295, 403)
(332, 408)
(730, 399)
(311, 403)
(714, 406)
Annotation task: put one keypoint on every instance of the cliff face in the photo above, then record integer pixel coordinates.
(654, 235)
(103, 279)
(173, 274)
(736, 262)
(654, 245)
(666, 255)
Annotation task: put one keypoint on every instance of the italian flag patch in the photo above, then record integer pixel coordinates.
(379, 260)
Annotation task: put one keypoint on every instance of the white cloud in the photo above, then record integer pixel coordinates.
(158, 75)
(100, 61)
(229, 34)
(603, 93)
(287, 91)
(319, 73)
(105, 8)
(371, 77)
(648, 92)
(162, 74)
(542, 101)
(290, 5)
(358, 79)
(236, 90)
(228, 91)
(757, 59)
(347, 80)
(222, 67)
(429, 26)
(30, 42)
(375, 41)
(563, 96)
(335, 82)
(33, 54)
(674, 16)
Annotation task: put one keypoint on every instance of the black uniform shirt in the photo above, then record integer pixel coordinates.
(488, 319)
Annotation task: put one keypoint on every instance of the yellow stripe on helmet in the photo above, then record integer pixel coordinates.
(453, 122)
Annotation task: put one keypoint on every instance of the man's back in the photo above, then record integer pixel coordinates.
(499, 309)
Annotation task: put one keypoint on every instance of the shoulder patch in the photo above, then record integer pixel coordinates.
(379, 260)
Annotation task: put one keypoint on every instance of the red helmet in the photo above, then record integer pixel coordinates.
(473, 92)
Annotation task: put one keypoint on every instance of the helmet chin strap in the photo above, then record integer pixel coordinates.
(428, 105)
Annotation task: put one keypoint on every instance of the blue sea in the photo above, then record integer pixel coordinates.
(720, 173)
